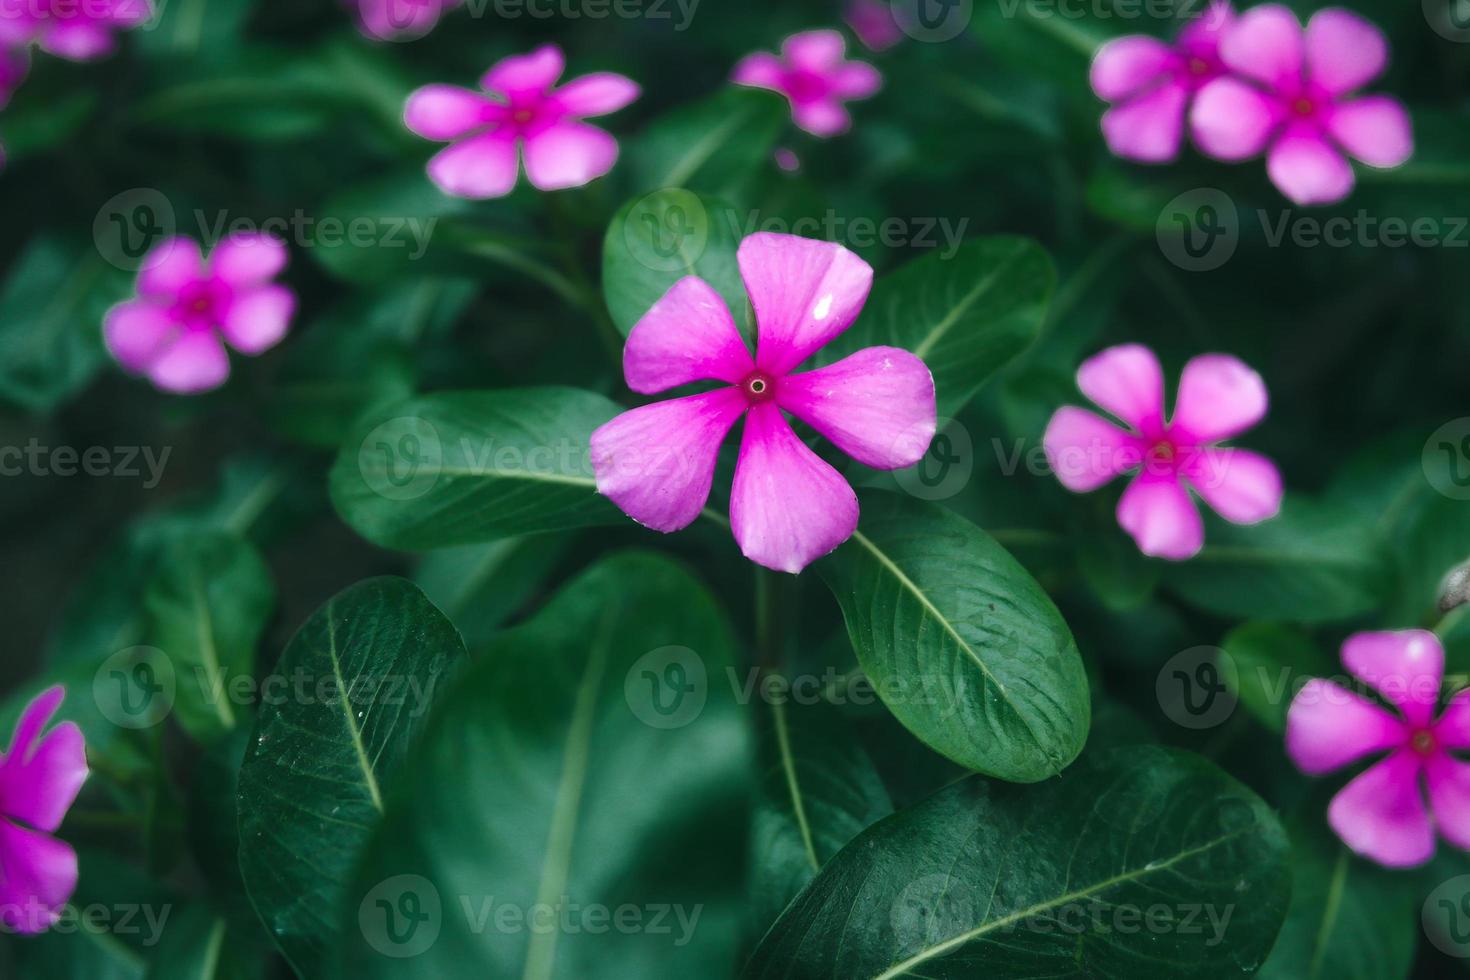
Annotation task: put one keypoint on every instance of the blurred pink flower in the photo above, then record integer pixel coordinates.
(1294, 100)
(872, 21)
(519, 112)
(787, 506)
(40, 776)
(1150, 84)
(399, 20)
(14, 63)
(1381, 814)
(77, 29)
(815, 79)
(172, 332)
(1219, 398)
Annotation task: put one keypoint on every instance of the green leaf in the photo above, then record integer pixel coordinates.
(197, 944)
(336, 719)
(186, 27)
(714, 145)
(1271, 663)
(594, 787)
(961, 643)
(481, 586)
(967, 314)
(656, 240)
(454, 468)
(1125, 866)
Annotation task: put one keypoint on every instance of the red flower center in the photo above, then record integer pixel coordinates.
(1423, 742)
(1304, 106)
(758, 387)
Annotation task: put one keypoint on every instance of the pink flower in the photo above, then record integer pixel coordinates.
(1295, 102)
(39, 779)
(519, 112)
(77, 29)
(872, 21)
(787, 506)
(1151, 83)
(172, 331)
(1380, 814)
(815, 79)
(400, 20)
(1219, 398)
(14, 63)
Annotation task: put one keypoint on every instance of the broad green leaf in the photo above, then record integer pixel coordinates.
(454, 468)
(658, 239)
(714, 145)
(336, 718)
(967, 314)
(208, 603)
(592, 760)
(1141, 862)
(481, 586)
(1271, 662)
(960, 641)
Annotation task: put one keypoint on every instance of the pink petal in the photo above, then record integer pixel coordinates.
(1148, 127)
(1381, 814)
(761, 69)
(825, 117)
(855, 80)
(804, 293)
(1231, 120)
(1329, 726)
(1449, 797)
(77, 39)
(1308, 169)
(1085, 450)
(1453, 728)
(20, 27)
(1127, 381)
(1201, 36)
(41, 775)
(195, 363)
(390, 20)
(1375, 130)
(1343, 51)
(596, 94)
(813, 50)
(687, 336)
(1219, 397)
(1241, 486)
(446, 112)
(136, 332)
(1157, 512)
(526, 73)
(1125, 65)
(479, 167)
(872, 21)
(1405, 666)
(1265, 43)
(569, 154)
(136, 13)
(248, 259)
(876, 405)
(40, 875)
(657, 462)
(258, 318)
(787, 507)
(172, 264)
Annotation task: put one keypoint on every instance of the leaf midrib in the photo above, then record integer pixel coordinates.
(703, 150)
(369, 779)
(1330, 909)
(943, 327)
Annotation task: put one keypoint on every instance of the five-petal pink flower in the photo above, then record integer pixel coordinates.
(520, 111)
(1219, 398)
(787, 506)
(1294, 99)
(400, 20)
(172, 331)
(77, 29)
(813, 75)
(40, 777)
(1151, 83)
(1381, 813)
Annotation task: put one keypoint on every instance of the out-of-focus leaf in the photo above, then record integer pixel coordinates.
(1271, 662)
(713, 146)
(480, 586)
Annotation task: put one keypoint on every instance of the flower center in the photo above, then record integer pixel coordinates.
(1422, 742)
(1304, 106)
(804, 86)
(758, 387)
(1199, 66)
(523, 116)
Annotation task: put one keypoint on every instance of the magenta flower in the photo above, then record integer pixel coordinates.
(39, 779)
(872, 21)
(1219, 398)
(1295, 102)
(519, 112)
(77, 29)
(1150, 84)
(400, 20)
(14, 63)
(172, 331)
(1380, 814)
(787, 506)
(815, 79)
